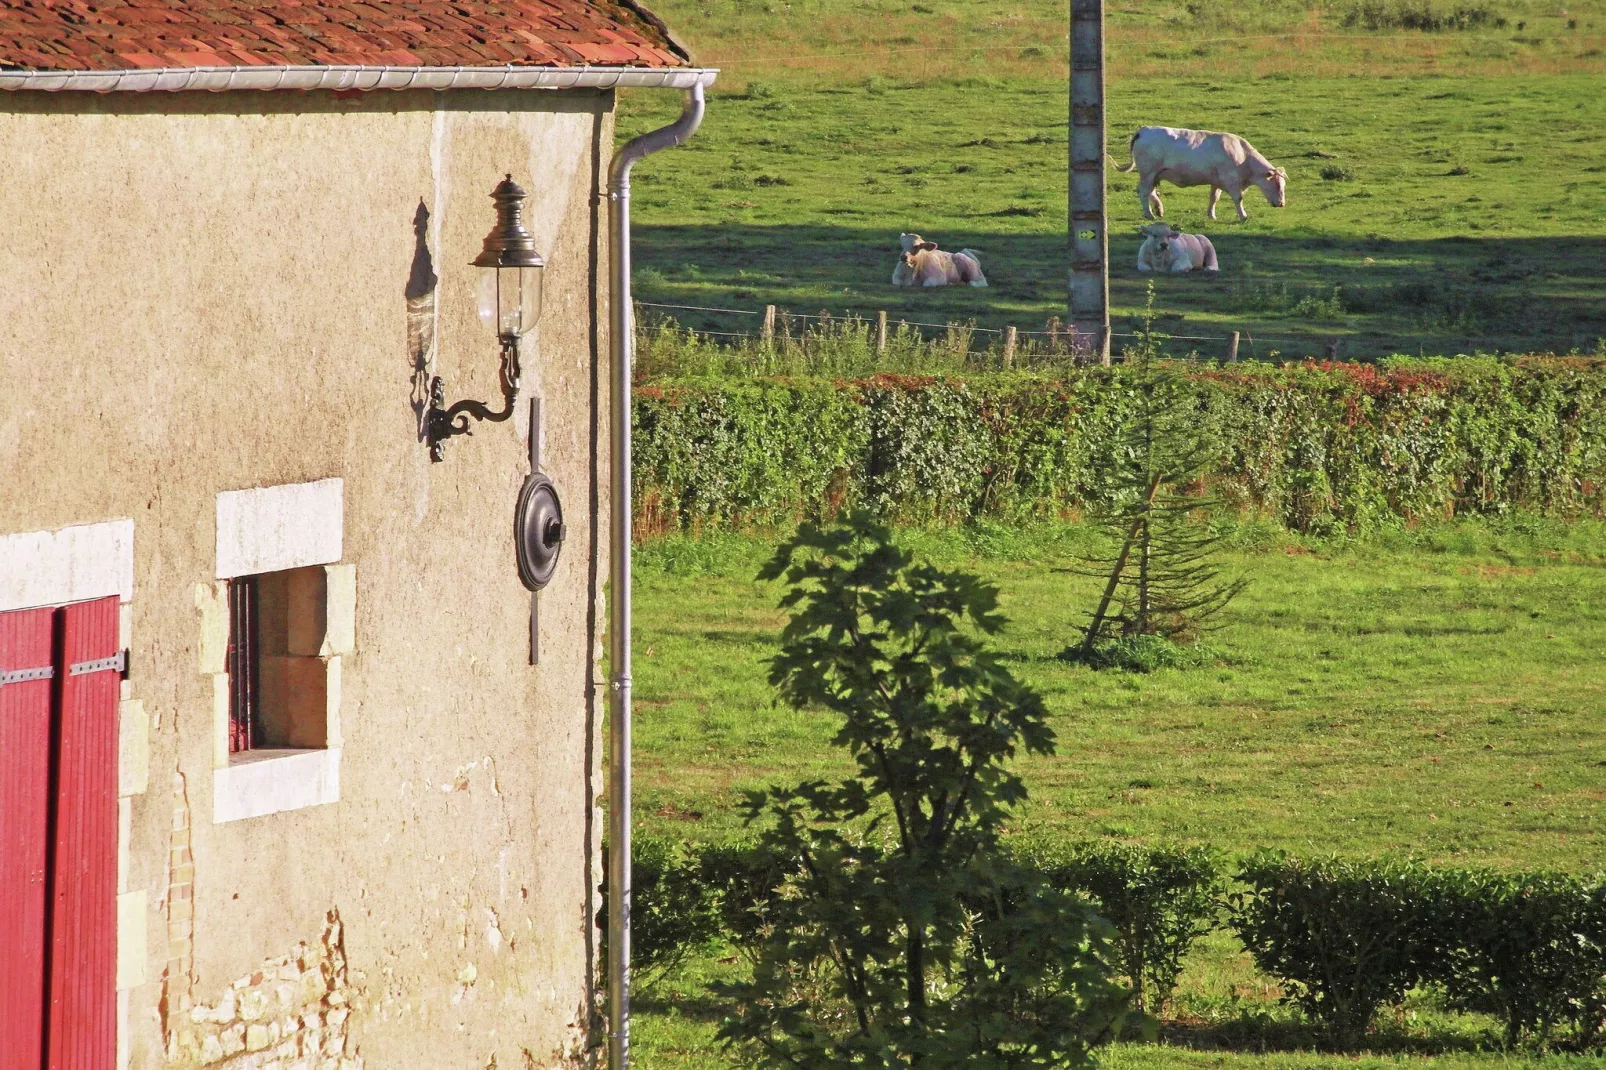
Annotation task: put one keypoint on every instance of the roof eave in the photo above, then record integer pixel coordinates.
(364, 78)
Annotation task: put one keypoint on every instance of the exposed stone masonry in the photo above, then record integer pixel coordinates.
(289, 1014)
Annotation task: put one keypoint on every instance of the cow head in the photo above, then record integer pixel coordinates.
(909, 241)
(1274, 184)
(911, 253)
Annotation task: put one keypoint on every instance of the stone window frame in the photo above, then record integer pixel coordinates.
(295, 529)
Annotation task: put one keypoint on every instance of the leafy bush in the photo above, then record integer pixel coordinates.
(1160, 900)
(903, 934)
(1319, 447)
(745, 879)
(1346, 937)
(1420, 15)
(1531, 950)
(674, 911)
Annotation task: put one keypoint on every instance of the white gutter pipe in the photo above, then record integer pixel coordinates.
(621, 330)
(224, 79)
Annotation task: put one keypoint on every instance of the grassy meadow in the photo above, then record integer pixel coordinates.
(1434, 693)
(1447, 189)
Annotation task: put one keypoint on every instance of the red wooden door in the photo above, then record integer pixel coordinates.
(82, 967)
(25, 644)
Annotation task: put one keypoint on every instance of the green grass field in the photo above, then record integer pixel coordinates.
(1446, 189)
(1437, 693)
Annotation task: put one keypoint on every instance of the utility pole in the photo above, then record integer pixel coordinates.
(1089, 240)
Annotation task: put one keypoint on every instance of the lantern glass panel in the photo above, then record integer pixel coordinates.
(510, 299)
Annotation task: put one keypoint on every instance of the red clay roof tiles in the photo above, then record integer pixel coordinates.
(100, 35)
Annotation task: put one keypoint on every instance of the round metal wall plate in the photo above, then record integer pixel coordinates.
(538, 531)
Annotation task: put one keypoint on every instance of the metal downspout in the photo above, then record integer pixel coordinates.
(622, 354)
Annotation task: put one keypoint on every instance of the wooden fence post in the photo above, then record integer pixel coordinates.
(881, 332)
(1232, 347)
(767, 332)
(1009, 347)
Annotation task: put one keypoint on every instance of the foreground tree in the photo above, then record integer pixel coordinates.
(1162, 579)
(902, 934)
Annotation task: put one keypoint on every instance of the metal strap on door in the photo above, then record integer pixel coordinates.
(117, 662)
(21, 676)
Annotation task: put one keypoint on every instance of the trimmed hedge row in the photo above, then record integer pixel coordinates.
(1345, 938)
(1322, 447)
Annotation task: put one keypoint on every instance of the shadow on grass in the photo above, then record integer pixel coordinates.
(1290, 294)
(700, 1008)
(1261, 1033)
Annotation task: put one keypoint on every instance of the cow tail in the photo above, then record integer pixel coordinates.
(1131, 141)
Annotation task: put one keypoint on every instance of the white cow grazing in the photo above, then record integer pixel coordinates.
(1165, 248)
(924, 265)
(1224, 162)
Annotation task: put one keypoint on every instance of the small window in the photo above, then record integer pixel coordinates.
(244, 666)
(279, 674)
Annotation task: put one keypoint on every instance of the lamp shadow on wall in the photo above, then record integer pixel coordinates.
(420, 294)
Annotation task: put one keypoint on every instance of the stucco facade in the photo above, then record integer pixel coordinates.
(210, 293)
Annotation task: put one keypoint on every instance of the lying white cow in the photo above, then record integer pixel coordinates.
(1165, 248)
(1224, 162)
(903, 274)
(925, 265)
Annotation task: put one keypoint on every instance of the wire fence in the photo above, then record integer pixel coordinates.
(772, 312)
(774, 341)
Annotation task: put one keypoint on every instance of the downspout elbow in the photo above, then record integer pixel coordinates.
(667, 137)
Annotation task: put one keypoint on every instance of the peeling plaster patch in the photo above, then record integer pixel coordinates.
(291, 1011)
(466, 978)
(178, 977)
(460, 780)
(493, 931)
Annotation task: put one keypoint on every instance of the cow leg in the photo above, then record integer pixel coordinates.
(1238, 203)
(1146, 197)
(1215, 195)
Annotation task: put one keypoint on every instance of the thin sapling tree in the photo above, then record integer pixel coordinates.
(1162, 578)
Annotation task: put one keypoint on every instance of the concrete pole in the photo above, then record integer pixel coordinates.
(1089, 239)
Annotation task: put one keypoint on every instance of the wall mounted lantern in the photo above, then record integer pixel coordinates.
(509, 303)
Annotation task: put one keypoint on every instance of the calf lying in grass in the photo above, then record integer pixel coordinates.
(1165, 248)
(923, 264)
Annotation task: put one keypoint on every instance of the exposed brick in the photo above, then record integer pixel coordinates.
(274, 1017)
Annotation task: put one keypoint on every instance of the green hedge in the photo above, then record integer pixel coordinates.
(1322, 447)
(1344, 937)
(1350, 937)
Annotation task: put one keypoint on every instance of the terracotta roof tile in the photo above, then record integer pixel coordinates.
(66, 35)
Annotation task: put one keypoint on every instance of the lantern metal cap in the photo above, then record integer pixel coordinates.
(509, 244)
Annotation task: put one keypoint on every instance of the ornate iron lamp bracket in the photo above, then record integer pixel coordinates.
(441, 423)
